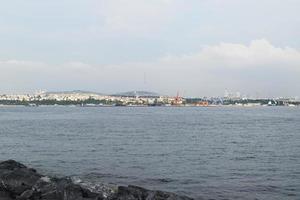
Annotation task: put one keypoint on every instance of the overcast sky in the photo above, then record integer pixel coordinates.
(196, 47)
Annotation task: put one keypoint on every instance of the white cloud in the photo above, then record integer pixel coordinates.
(136, 16)
(258, 53)
(20, 65)
(257, 67)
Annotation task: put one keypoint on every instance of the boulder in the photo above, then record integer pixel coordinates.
(17, 178)
(138, 193)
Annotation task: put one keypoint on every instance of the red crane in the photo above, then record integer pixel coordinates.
(178, 99)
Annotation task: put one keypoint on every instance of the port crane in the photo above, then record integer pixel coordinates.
(177, 99)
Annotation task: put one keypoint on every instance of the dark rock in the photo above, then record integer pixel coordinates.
(138, 193)
(17, 178)
(131, 192)
(11, 165)
(17, 182)
(25, 195)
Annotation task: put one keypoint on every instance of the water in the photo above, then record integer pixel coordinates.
(209, 153)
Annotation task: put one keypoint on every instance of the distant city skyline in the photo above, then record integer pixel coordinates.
(196, 47)
(226, 94)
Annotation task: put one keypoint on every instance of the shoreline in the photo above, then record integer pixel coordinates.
(145, 106)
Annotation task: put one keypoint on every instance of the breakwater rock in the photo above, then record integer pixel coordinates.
(22, 183)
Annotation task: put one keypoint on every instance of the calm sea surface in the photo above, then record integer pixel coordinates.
(209, 153)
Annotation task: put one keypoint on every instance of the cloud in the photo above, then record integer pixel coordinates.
(135, 16)
(6, 65)
(230, 55)
(258, 67)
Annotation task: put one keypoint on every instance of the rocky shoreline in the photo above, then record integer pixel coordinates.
(22, 183)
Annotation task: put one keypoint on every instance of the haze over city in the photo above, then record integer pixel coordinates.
(199, 47)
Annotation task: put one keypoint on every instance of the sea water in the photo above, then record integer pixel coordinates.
(205, 153)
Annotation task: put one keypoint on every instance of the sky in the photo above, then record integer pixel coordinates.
(196, 47)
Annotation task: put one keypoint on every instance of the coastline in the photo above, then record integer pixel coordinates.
(144, 106)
